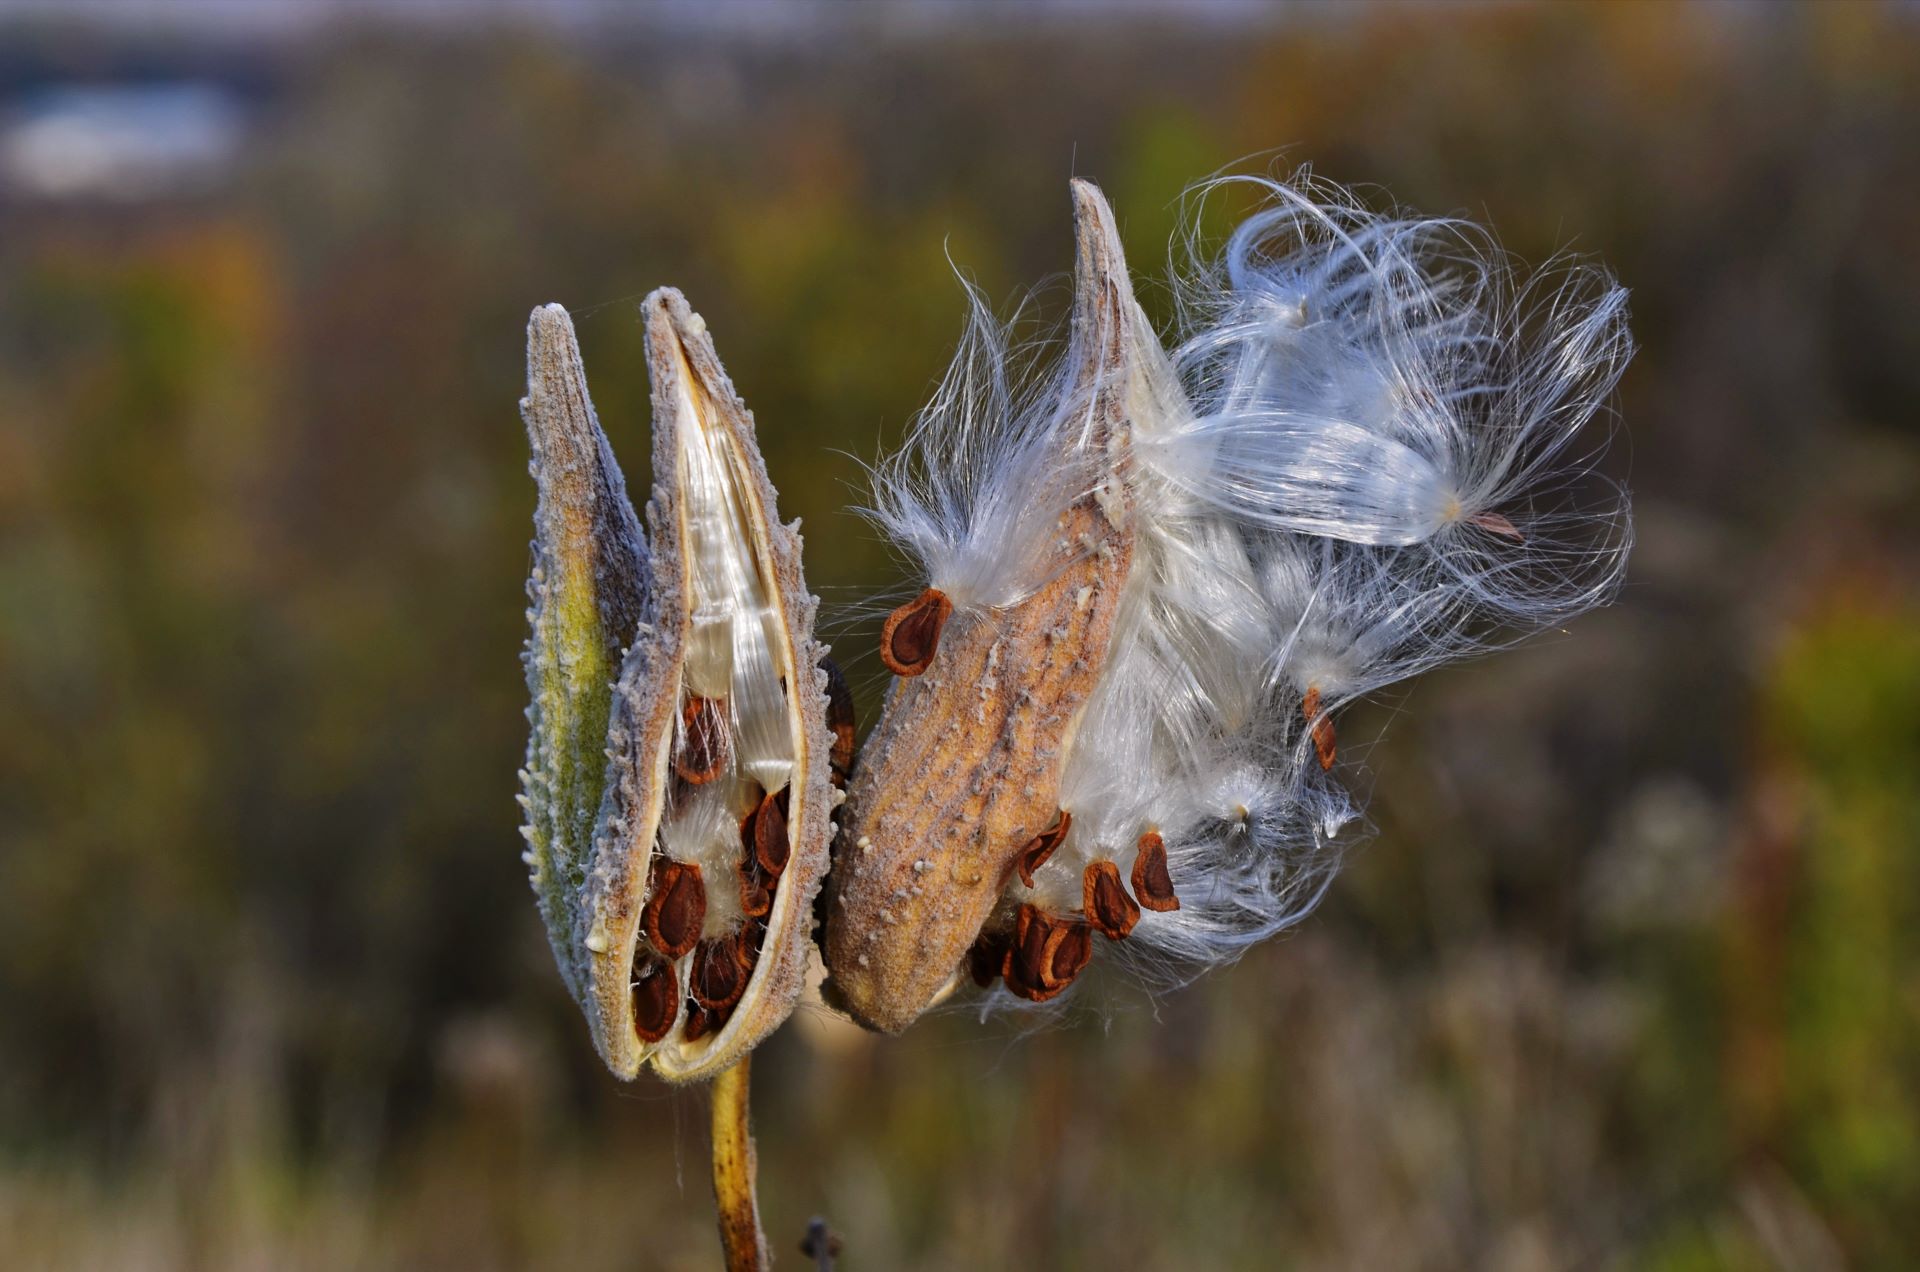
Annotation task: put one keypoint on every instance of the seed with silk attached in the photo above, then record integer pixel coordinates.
(1041, 847)
(1106, 902)
(911, 635)
(1047, 953)
(1151, 881)
(704, 753)
(770, 841)
(1321, 725)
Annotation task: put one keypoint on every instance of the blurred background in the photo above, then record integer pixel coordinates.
(1629, 978)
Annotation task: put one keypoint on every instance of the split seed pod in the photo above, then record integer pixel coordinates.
(1150, 586)
(677, 818)
(962, 772)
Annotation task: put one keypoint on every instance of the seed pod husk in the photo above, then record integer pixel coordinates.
(719, 706)
(960, 779)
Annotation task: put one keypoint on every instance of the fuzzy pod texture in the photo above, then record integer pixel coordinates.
(964, 767)
(677, 783)
(1366, 450)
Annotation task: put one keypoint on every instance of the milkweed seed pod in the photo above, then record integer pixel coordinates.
(677, 785)
(997, 657)
(1355, 464)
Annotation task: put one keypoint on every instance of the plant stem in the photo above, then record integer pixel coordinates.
(733, 1173)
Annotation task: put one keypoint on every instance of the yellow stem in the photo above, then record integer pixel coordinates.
(733, 1173)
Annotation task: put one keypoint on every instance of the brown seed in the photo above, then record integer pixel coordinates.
(719, 973)
(841, 720)
(771, 844)
(756, 890)
(1498, 524)
(700, 1022)
(987, 960)
(1071, 952)
(676, 906)
(703, 747)
(1042, 846)
(656, 996)
(1151, 882)
(1047, 953)
(1106, 902)
(911, 635)
(1322, 725)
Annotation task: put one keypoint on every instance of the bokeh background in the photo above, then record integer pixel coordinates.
(1629, 978)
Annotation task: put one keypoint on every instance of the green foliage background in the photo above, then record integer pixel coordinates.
(1630, 978)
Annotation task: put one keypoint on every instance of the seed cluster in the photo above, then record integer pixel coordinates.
(677, 946)
(1043, 951)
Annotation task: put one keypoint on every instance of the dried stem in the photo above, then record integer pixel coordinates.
(733, 1173)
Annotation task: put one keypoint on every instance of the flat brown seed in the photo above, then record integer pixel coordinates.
(656, 997)
(756, 890)
(771, 844)
(911, 635)
(1041, 847)
(1070, 953)
(1497, 524)
(1026, 953)
(703, 748)
(753, 937)
(1322, 726)
(1048, 952)
(700, 1022)
(840, 720)
(1151, 881)
(1106, 902)
(676, 907)
(719, 974)
(987, 959)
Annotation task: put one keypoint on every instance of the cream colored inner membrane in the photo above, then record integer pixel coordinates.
(732, 660)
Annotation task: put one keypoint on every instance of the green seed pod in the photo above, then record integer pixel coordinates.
(677, 818)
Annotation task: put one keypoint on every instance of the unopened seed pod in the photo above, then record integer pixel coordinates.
(958, 787)
(677, 816)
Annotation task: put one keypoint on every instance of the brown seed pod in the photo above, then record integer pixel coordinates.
(962, 772)
(720, 699)
(1151, 881)
(1106, 902)
(911, 635)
